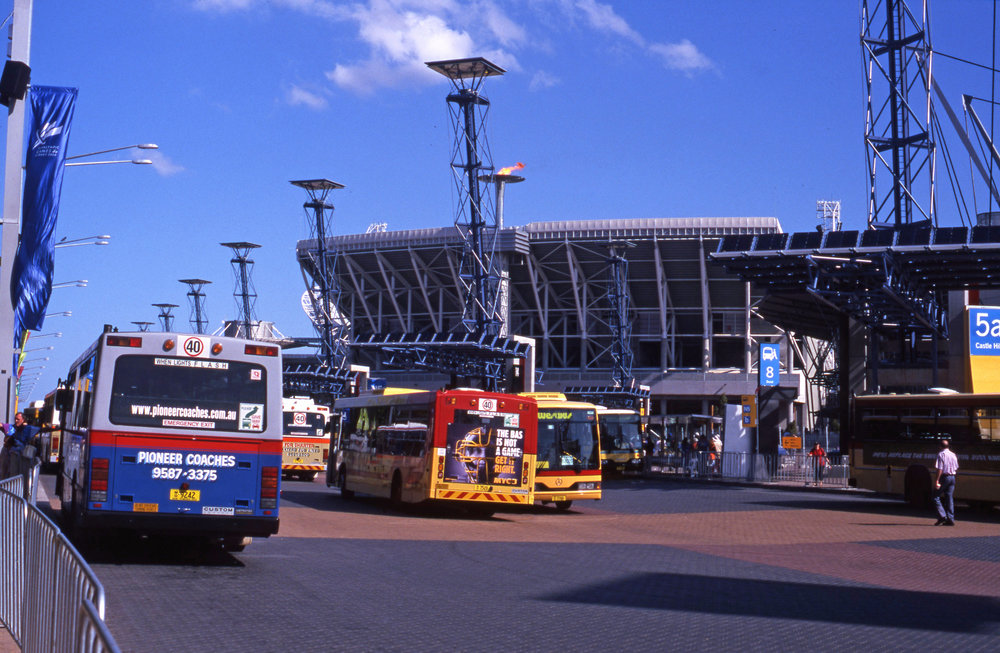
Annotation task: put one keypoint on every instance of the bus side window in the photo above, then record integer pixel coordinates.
(86, 391)
(69, 417)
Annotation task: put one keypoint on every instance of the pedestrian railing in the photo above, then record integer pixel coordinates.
(51, 600)
(764, 468)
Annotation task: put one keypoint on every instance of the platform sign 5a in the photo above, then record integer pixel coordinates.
(983, 328)
(769, 364)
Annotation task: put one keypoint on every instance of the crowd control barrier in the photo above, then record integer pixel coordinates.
(786, 469)
(50, 599)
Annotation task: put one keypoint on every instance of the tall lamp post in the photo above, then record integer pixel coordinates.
(20, 51)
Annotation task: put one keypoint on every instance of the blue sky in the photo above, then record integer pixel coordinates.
(617, 110)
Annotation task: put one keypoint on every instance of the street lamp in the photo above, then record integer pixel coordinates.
(88, 240)
(79, 283)
(56, 334)
(138, 162)
(60, 314)
(140, 146)
(50, 347)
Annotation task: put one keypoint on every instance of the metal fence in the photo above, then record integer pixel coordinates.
(794, 468)
(51, 601)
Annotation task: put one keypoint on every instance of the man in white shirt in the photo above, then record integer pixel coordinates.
(944, 499)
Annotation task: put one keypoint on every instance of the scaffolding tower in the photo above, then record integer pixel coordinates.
(245, 294)
(197, 298)
(900, 115)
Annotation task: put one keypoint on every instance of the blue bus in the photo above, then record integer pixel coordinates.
(171, 433)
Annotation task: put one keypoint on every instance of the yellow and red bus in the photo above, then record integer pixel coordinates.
(568, 467)
(894, 444)
(621, 439)
(305, 443)
(469, 447)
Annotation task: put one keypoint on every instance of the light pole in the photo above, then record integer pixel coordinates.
(55, 334)
(138, 162)
(140, 146)
(20, 51)
(88, 240)
(78, 283)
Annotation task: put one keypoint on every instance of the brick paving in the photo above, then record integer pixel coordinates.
(657, 565)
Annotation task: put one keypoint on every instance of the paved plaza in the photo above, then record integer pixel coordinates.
(656, 565)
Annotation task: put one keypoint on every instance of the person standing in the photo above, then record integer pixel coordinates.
(944, 497)
(818, 456)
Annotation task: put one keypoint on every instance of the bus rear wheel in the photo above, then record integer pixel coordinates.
(396, 491)
(342, 484)
(235, 543)
(563, 505)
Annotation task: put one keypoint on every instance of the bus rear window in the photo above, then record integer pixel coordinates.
(164, 392)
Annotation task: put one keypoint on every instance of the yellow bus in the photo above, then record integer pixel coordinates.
(894, 444)
(469, 447)
(621, 439)
(568, 466)
(305, 444)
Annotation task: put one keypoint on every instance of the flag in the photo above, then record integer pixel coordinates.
(31, 275)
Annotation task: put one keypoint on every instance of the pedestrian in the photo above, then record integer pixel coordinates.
(8, 444)
(944, 496)
(819, 460)
(22, 439)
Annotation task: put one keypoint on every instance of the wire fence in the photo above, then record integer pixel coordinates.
(51, 600)
(788, 469)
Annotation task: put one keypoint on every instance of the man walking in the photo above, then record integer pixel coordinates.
(944, 498)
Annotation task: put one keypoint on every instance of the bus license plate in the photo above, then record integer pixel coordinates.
(185, 495)
(145, 507)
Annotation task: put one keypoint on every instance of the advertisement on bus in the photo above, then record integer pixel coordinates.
(484, 448)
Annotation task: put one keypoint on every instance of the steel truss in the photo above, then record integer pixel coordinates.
(460, 354)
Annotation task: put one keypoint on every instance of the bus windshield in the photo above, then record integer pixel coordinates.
(566, 439)
(157, 391)
(620, 432)
(304, 423)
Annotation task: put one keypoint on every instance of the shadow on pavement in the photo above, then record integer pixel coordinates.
(836, 604)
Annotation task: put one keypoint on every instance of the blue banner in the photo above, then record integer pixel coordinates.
(48, 136)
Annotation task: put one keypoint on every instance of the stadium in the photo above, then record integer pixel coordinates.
(694, 331)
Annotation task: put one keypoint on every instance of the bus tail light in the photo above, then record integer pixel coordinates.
(124, 341)
(326, 455)
(269, 487)
(99, 479)
(260, 350)
(440, 470)
(524, 473)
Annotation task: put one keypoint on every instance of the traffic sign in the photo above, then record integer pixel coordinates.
(749, 414)
(769, 363)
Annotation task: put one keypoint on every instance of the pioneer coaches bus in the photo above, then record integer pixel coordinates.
(473, 448)
(895, 444)
(568, 466)
(173, 433)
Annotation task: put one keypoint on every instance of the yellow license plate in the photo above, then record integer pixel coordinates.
(145, 507)
(559, 497)
(185, 495)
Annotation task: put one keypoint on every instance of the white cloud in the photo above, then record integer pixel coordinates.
(300, 96)
(223, 5)
(604, 19)
(683, 56)
(162, 164)
(542, 79)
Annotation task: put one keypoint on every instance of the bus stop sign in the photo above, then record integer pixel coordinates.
(768, 366)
